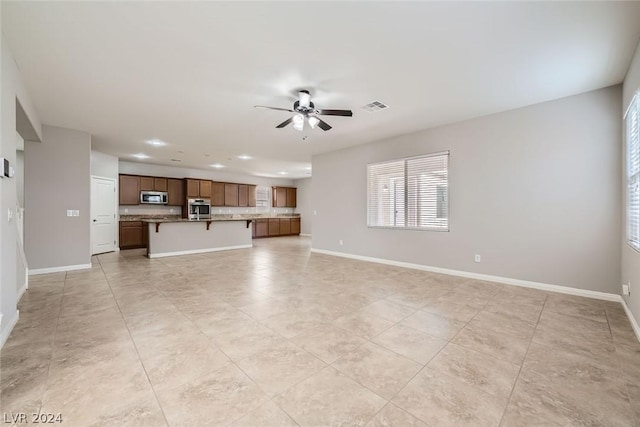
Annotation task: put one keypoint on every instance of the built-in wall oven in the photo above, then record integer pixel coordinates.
(199, 208)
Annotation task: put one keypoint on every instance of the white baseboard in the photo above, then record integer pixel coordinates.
(305, 235)
(5, 330)
(21, 291)
(489, 278)
(632, 319)
(59, 269)
(198, 251)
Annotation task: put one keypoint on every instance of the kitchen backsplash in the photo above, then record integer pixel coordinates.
(176, 210)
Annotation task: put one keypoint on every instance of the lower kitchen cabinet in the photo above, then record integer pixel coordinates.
(273, 227)
(133, 234)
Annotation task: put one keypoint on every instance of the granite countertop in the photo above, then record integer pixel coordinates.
(219, 217)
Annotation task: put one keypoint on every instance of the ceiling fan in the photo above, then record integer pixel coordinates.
(305, 111)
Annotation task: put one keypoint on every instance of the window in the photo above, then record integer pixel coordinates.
(633, 173)
(411, 193)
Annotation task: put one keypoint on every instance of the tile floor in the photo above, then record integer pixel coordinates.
(276, 336)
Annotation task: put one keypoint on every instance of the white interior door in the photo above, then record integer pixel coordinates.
(103, 215)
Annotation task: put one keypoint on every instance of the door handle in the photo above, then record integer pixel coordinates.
(95, 220)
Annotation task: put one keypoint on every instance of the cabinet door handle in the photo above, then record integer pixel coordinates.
(95, 220)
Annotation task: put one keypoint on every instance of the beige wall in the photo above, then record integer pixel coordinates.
(631, 257)
(104, 165)
(304, 205)
(535, 191)
(12, 89)
(57, 178)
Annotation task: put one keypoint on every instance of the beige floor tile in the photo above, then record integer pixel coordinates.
(438, 399)
(410, 343)
(280, 366)
(576, 334)
(451, 310)
(330, 398)
(486, 373)
(380, 370)
(505, 323)
(266, 415)
(363, 324)
(432, 324)
(496, 344)
(538, 396)
(247, 342)
(217, 399)
(328, 342)
(391, 415)
(570, 305)
(205, 339)
(172, 366)
(389, 310)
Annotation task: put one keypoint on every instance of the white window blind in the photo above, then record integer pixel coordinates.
(411, 193)
(633, 173)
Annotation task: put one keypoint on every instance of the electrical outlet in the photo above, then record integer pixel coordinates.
(69, 212)
(315, 212)
(126, 210)
(340, 242)
(477, 258)
(625, 289)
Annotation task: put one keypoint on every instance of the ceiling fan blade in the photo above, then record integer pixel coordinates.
(286, 122)
(323, 125)
(273, 108)
(345, 113)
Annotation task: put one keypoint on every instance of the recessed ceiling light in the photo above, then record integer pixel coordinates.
(283, 173)
(217, 165)
(244, 157)
(140, 156)
(156, 142)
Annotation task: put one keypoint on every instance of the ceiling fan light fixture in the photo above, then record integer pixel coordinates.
(305, 98)
(299, 126)
(313, 121)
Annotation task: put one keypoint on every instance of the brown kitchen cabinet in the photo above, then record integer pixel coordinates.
(252, 195)
(284, 197)
(175, 189)
(274, 227)
(160, 184)
(198, 188)
(285, 226)
(129, 189)
(133, 234)
(146, 183)
(243, 195)
(260, 228)
(230, 194)
(217, 193)
(295, 226)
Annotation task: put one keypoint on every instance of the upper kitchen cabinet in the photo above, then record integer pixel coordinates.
(129, 190)
(230, 194)
(284, 197)
(252, 195)
(198, 188)
(151, 183)
(243, 195)
(146, 183)
(175, 188)
(217, 193)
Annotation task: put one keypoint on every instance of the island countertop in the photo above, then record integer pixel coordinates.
(219, 217)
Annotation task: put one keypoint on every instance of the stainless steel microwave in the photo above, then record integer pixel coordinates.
(154, 197)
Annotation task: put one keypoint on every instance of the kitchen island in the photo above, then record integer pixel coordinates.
(181, 236)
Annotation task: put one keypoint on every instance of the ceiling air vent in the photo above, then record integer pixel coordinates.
(374, 106)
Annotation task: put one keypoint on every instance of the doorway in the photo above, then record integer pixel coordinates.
(103, 215)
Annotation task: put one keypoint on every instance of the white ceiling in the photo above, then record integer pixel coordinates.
(189, 73)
